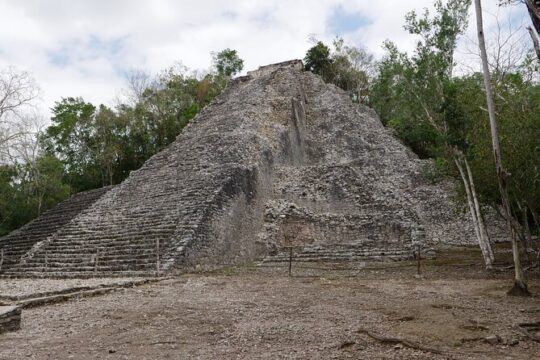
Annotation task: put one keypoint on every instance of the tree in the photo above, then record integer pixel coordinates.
(434, 62)
(533, 8)
(348, 67)
(70, 138)
(352, 70)
(100, 146)
(29, 181)
(418, 96)
(28, 189)
(106, 145)
(137, 81)
(91, 142)
(520, 286)
(227, 62)
(44, 184)
(7, 198)
(18, 90)
(513, 69)
(318, 61)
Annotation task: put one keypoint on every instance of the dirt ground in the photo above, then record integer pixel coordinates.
(25, 288)
(258, 312)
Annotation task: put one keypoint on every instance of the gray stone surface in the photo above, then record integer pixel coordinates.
(10, 318)
(20, 241)
(278, 159)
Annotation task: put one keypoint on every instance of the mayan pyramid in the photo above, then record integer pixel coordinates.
(280, 159)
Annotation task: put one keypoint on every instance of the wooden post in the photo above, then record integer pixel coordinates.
(157, 256)
(96, 262)
(1, 258)
(290, 260)
(418, 256)
(46, 260)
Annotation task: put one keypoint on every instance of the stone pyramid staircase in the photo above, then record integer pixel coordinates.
(126, 241)
(19, 242)
(279, 158)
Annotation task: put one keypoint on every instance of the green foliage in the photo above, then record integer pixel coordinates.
(26, 190)
(438, 34)
(518, 109)
(318, 60)
(228, 63)
(346, 67)
(436, 171)
(7, 198)
(437, 113)
(101, 146)
(421, 137)
(416, 94)
(71, 138)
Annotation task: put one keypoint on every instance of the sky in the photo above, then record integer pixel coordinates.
(86, 47)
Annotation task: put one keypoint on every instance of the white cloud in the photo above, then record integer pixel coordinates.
(80, 48)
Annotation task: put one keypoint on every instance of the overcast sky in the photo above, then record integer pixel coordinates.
(84, 47)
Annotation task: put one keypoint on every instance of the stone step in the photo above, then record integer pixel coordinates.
(16, 244)
(84, 267)
(351, 254)
(88, 261)
(15, 252)
(60, 257)
(114, 234)
(111, 250)
(106, 244)
(77, 274)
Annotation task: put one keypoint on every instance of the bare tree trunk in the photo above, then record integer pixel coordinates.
(37, 182)
(40, 201)
(520, 286)
(481, 224)
(486, 253)
(536, 217)
(533, 6)
(110, 170)
(525, 227)
(471, 209)
(536, 42)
